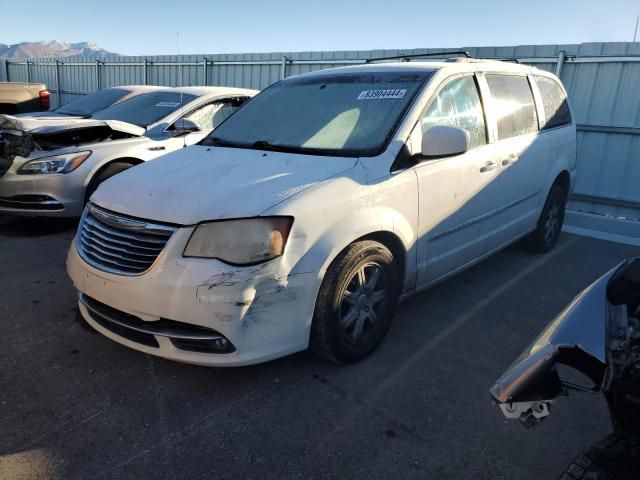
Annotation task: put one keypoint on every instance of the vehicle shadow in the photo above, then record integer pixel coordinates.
(11, 226)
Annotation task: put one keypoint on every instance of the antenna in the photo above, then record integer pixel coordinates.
(184, 137)
(635, 33)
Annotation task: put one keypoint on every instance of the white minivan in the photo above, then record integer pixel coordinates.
(310, 212)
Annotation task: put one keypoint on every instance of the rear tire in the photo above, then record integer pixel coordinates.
(546, 234)
(106, 173)
(616, 457)
(356, 302)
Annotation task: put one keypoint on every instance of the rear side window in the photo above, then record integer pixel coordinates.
(146, 109)
(554, 102)
(513, 105)
(93, 102)
(458, 105)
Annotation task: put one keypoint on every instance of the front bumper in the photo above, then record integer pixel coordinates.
(53, 195)
(261, 315)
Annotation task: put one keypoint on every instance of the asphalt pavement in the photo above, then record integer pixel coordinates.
(76, 405)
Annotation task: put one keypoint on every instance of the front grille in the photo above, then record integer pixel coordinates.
(119, 244)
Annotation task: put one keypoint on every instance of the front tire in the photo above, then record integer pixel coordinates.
(356, 302)
(546, 234)
(616, 457)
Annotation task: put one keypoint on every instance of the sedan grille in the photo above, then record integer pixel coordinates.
(118, 244)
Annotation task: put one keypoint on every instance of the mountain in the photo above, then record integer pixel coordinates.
(53, 48)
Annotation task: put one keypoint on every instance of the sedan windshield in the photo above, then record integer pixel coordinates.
(93, 102)
(146, 109)
(337, 114)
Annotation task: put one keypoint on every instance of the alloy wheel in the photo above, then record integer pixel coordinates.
(552, 222)
(361, 301)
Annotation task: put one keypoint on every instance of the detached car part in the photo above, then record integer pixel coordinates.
(597, 334)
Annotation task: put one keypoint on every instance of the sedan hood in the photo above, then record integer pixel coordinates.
(45, 115)
(202, 183)
(34, 125)
(23, 135)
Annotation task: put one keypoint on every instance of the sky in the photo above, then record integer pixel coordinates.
(142, 27)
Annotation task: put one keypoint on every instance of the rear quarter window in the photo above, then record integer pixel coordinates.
(554, 103)
(513, 105)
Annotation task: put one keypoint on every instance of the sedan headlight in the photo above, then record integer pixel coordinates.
(240, 242)
(55, 164)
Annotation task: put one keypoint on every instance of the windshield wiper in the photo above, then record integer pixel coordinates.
(216, 142)
(263, 145)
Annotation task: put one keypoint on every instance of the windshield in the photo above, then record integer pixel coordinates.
(347, 115)
(146, 109)
(93, 102)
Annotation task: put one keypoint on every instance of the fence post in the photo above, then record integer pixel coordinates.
(58, 83)
(28, 72)
(6, 69)
(97, 75)
(283, 67)
(205, 72)
(560, 63)
(144, 73)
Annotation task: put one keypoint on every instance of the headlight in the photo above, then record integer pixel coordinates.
(240, 242)
(54, 164)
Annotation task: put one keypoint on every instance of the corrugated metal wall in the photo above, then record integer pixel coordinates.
(604, 92)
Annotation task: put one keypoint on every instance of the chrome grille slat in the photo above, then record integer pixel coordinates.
(119, 244)
(105, 244)
(124, 244)
(118, 257)
(109, 264)
(113, 231)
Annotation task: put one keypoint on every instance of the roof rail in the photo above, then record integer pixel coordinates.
(513, 60)
(406, 58)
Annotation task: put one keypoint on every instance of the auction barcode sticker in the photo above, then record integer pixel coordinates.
(377, 94)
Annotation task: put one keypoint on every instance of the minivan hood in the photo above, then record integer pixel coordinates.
(202, 183)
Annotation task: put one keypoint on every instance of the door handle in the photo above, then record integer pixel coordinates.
(488, 166)
(510, 159)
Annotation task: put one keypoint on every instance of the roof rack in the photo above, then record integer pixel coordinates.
(406, 58)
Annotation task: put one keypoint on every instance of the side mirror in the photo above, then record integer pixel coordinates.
(185, 126)
(444, 141)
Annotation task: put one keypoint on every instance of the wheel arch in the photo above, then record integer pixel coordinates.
(563, 179)
(102, 166)
(394, 244)
(133, 161)
(329, 248)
